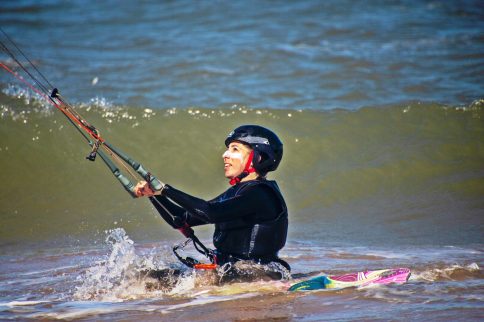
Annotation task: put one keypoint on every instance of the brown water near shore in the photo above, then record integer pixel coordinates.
(103, 284)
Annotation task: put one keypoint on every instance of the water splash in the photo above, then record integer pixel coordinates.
(125, 275)
(120, 276)
(24, 94)
(24, 102)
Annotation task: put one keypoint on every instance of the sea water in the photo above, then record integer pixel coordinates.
(380, 108)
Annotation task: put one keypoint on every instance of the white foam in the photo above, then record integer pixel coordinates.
(436, 273)
(208, 300)
(21, 303)
(55, 269)
(80, 309)
(184, 285)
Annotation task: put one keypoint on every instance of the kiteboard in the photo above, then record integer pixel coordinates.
(384, 276)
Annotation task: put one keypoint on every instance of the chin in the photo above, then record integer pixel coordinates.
(229, 176)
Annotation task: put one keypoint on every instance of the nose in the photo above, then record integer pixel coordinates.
(226, 154)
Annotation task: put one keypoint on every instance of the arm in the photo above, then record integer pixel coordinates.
(217, 210)
(173, 214)
(199, 211)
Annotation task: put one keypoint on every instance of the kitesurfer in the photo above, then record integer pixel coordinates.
(250, 218)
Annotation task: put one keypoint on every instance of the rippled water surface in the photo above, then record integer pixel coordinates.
(276, 54)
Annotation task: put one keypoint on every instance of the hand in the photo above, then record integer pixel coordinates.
(143, 189)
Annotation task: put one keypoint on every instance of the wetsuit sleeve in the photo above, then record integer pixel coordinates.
(173, 214)
(216, 211)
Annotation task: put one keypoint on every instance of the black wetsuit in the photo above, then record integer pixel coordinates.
(250, 219)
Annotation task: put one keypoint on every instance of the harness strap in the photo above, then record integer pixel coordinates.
(188, 232)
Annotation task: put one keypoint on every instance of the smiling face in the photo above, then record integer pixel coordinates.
(235, 159)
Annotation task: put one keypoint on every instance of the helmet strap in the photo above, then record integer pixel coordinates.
(248, 169)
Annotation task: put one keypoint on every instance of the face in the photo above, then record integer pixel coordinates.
(235, 159)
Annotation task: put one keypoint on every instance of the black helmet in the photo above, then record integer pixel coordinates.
(265, 144)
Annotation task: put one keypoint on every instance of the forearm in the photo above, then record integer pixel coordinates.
(173, 214)
(196, 207)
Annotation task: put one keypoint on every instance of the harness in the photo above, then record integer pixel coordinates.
(188, 232)
(220, 256)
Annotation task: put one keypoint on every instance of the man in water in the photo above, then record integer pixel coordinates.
(250, 217)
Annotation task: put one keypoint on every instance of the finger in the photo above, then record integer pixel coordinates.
(147, 191)
(138, 193)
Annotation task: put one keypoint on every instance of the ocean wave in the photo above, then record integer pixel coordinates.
(398, 167)
(449, 273)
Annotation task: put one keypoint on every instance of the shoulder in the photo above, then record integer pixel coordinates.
(250, 189)
(265, 188)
